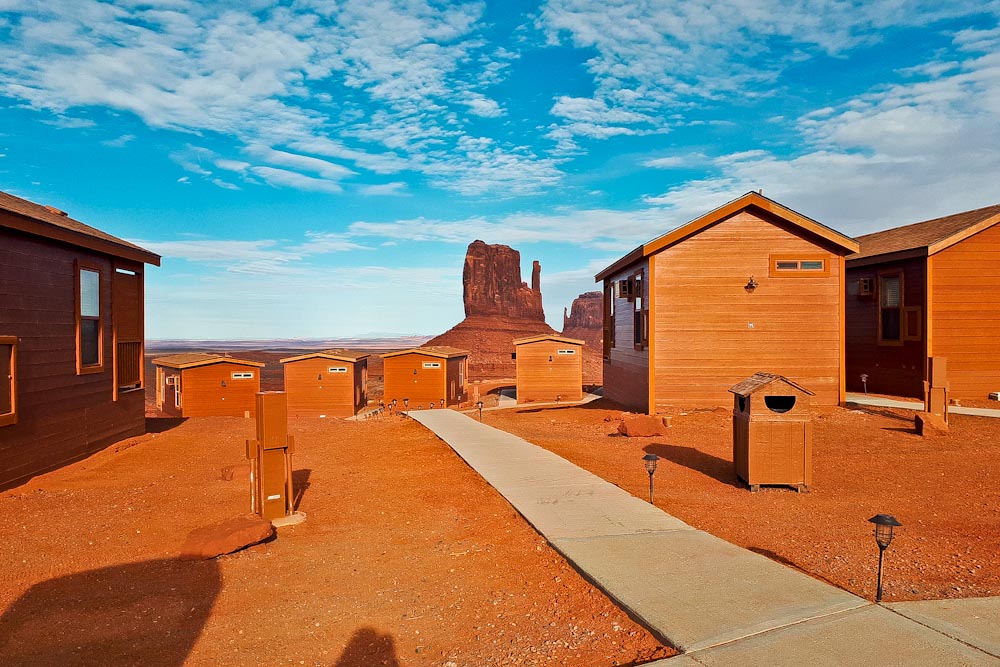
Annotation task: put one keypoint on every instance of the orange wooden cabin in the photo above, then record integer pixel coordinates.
(751, 285)
(432, 376)
(71, 339)
(549, 368)
(331, 383)
(930, 289)
(206, 385)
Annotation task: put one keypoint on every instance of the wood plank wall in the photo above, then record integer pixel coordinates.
(626, 372)
(457, 380)
(62, 416)
(313, 391)
(426, 386)
(966, 312)
(703, 315)
(897, 370)
(543, 373)
(202, 393)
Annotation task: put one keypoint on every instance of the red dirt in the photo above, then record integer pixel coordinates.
(407, 558)
(865, 462)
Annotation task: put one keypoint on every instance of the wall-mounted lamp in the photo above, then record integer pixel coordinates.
(751, 285)
(414, 371)
(319, 376)
(223, 383)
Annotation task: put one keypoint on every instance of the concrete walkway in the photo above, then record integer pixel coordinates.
(863, 399)
(719, 604)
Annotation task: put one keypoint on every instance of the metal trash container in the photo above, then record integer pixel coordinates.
(772, 432)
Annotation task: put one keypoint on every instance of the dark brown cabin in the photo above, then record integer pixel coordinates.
(331, 383)
(930, 289)
(71, 339)
(749, 285)
(549, 368)
(206, 385)
(432, 376)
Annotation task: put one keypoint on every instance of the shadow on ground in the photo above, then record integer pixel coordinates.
(148, 613)
(163, 424)
(367, 648)
(300, 484)
(717, 468)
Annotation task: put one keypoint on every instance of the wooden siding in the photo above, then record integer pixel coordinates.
(543, 373)
(703, 315)
(895, 369)
(202, 393)
(426, 386)
(62, 416)
(457, 380)
(966, 314)
(313, 391)
(626, 371)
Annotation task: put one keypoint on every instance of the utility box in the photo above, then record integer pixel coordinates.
(772, 432)
(271, 458)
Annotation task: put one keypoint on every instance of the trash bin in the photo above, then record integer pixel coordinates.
(772, 432)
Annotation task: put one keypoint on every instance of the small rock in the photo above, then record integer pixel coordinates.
(642, 426)
(226, 537)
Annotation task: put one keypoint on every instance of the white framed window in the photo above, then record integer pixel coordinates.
(8, 380)
(432, 364)
(243, 376)
(337, 369)
(89, 324)
(177, 396)
(566, 352)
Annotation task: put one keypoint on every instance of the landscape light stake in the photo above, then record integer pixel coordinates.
(884, 523)
(864, 382)
(479, 404)
(649, 460)
(406, 403)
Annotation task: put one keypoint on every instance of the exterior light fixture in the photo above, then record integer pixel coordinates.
(649, 460)
(864, 382)
(414, 371)
(751, 285)
(884, 523)
(319, 376)
(406, 402)
(223, 383)
(479, 404)
(442, 402)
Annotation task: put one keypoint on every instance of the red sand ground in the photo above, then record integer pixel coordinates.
(865, 461)
(407, 558)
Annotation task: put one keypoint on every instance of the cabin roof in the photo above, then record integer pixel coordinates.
(759, 380)
(51, 223)
(443, 351)
(193, 359)
(750, 199)
(552, 337)
(338, 354)
(929, 236)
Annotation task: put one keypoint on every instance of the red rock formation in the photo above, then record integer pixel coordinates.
(491, 284)
(585, 321)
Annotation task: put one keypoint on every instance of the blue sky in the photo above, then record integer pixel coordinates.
(317, 168)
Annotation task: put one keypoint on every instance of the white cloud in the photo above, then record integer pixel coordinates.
(395, 188)
(328, 170)
(293, 179)
(120, 141)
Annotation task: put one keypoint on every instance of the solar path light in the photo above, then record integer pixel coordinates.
(884, 523)
(479, 404)
(649, 460)
(406, 402)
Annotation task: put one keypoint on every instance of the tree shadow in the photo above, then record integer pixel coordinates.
(369, 648)
(300, 484)
(721, 470)
(163, 424)
(148, 613)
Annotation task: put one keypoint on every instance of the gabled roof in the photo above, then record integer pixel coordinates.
(759, 380)
(51, 223)
(193, 359)
(928, 237)
(552, 337)
(338, 354)
(750, 199)
(443, 351)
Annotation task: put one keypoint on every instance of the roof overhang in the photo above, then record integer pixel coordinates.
(325, 355)
(552, 337)
(884, 258)
(429, 353)
(166, 363)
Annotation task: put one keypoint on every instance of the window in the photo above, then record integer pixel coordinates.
(640, 322)
(243, 376)
(566, 352)
(805, 265)
(890, 308)
(461, 373)
(126, 325)
(337, 369)
(432, 364)
(177, 395)
(865, 287)
(609, 318)
(8, 380)
(88, 321)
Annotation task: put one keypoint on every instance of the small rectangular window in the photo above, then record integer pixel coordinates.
(243, 376)
(566, 352)
(890, 302)
(786, 266)
(912, 323)
(337, 369)
(865, 287)
(805, 265)
(811, 265)
(88, 318)
(8, 380)
(432, 364)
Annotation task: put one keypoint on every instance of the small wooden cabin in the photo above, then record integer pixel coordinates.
(331, 383)
(930, 289)
(426, 376)
(71, 339)
(549, 368)
(750, 285)
(206, 385)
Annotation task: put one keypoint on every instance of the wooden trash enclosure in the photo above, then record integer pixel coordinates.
(206, 385)
(772, 432)
(331, 383)
(549, 368)
(425, 377)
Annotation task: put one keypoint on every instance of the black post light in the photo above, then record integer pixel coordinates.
(479, 404)
(442, 402)
(406, 402)
(884, 523)
(649, 460)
